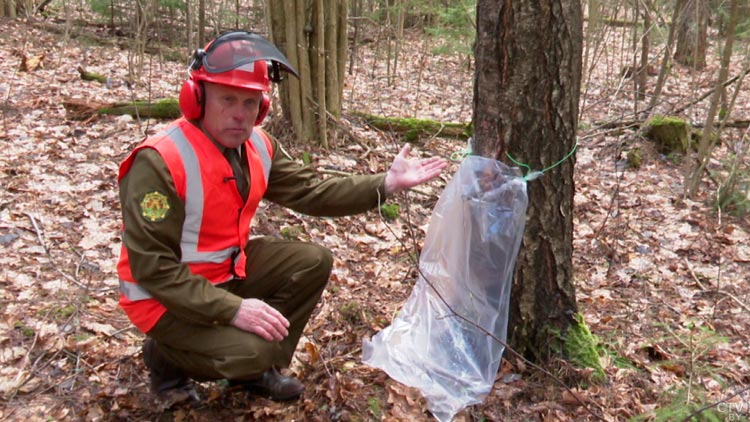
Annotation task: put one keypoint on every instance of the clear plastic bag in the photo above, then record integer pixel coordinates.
(467, 263)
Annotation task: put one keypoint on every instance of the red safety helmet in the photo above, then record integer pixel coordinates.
(238, 59)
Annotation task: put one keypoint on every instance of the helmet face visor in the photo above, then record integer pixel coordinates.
(236, 49)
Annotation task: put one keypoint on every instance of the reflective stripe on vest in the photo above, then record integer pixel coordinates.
(194, 205)
(194, 202)
(194, 197)
(133, 291)
(265, 155)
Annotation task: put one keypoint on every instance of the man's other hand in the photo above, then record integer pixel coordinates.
(406, 172)
(257, 317)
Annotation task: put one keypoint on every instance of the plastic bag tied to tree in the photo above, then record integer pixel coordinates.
(466, 270)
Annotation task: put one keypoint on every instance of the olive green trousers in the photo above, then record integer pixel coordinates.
(288, 275)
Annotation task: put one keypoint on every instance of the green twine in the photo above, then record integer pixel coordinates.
(460, 155)
(530, 174)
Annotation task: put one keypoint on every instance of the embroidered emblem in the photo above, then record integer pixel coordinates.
(154, 206)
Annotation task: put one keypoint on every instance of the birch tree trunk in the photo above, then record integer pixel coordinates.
(526, 90)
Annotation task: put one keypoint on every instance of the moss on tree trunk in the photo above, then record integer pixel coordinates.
(580, 346)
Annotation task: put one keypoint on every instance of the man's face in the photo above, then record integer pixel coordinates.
(230, 113)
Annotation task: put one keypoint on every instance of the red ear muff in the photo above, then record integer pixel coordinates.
(191, 99)
(265, 105)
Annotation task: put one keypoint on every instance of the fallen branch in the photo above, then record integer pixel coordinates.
(91, 76)
(628, 124)
(707, 94)
(83, 109)
(412, 129)
(722, 292)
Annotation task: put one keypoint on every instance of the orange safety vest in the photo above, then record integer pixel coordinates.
(217, 223)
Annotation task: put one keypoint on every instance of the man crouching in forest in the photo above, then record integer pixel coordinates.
(213, 302)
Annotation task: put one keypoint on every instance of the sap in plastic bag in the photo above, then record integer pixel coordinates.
(466, 266)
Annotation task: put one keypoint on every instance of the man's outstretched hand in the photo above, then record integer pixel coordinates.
(406, 172)
(258, 317)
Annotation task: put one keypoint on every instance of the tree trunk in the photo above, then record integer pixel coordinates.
(665, 62)
(692, 29)
(355, 46)
(526, 90)
(8, 9)
(312, 34)
(136, 54)
(641, 77)
(320, 68)
(707, 141)
(201, 23)
(189, 28)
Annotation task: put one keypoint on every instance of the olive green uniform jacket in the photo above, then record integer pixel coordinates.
(154, 247)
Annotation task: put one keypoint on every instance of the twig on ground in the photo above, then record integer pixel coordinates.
(722, 292)
(40, 237)
(712, 405)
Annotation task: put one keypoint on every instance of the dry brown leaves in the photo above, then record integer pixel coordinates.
(661, 281)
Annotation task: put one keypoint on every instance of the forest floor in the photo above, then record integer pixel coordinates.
(663, 282)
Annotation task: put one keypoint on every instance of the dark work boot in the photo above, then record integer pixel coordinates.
(168, 382)
(272, 384)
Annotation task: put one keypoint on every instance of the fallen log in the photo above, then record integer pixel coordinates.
(91, 76)
(84, 109)
(411, 129)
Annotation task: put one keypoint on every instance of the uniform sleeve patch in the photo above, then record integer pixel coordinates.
(154, 206)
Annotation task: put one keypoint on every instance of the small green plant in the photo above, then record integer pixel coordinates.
(374, 405)
(291, 232)
(733, 195)
(66, 311)
(635, 158)
(81, 337)
(674, 158)
(25, 330)
(690, 347)
(390, 211)
(680, 404)
(350, 311)
(737, 203)
(306, 158)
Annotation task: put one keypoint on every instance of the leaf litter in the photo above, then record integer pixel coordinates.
(662, 282)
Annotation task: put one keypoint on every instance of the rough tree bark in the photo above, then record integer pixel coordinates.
(692, 29)
(312, 34)
(8, 8)
(526, 90)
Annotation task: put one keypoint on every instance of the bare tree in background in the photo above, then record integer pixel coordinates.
(313, 36)
(708, 141)
(692, 31)
(8, 8)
